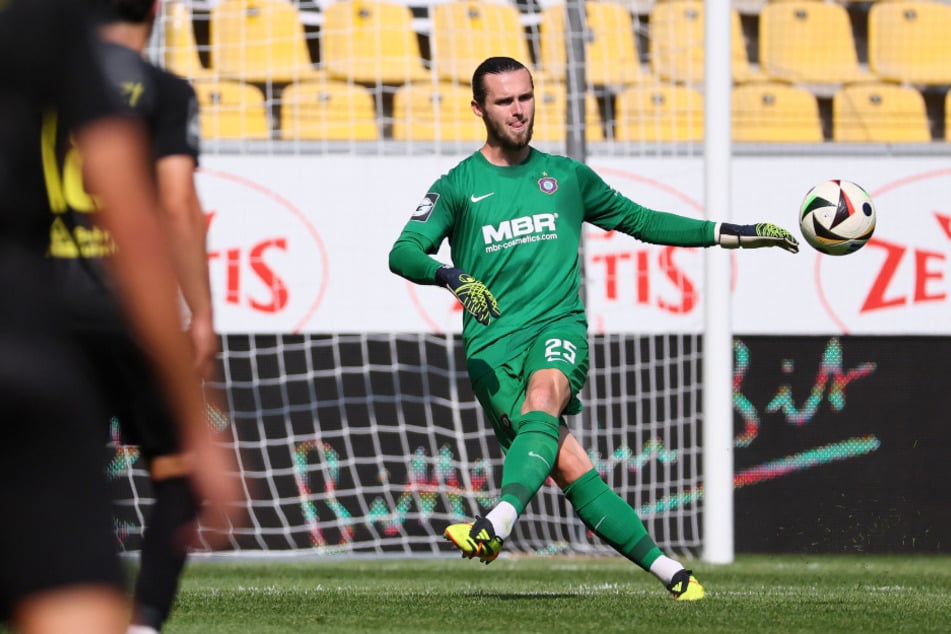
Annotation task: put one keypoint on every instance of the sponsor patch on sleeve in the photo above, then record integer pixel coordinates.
(426, 206)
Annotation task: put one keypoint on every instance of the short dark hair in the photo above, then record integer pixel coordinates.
(131, 11)
(493, 66)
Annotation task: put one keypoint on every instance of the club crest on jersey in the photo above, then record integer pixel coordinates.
(548, 184)
(425, 207)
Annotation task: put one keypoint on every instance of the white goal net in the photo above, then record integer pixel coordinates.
(373, 443)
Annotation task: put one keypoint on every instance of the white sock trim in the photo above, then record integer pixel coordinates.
(664, 568)
(502, 518)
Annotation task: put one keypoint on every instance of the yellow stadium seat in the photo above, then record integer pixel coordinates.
(231, 110)
(677, 43)
(259, 41)
(551, 110)
(775, 113)
(808, 42)
(328, 111)
(368, 41)
(910, 42)
(611, 55)
(441, 112)
(465, 32)
(181, 50)
(882, 113)
(659, 113)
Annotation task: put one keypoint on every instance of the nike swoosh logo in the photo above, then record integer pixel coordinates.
(476, 199)
(532, 454)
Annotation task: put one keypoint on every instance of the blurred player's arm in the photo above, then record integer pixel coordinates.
(185, 222)
(116, 170)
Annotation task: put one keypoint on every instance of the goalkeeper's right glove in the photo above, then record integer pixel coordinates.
(763, 234)
(473, 294)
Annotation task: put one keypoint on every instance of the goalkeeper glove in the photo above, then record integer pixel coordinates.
(763, 234)
(473, 294)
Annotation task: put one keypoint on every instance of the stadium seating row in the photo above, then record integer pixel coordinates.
(339, 111)
(330, 110)
(374, 41)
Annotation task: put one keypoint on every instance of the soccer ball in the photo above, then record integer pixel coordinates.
(837, 217)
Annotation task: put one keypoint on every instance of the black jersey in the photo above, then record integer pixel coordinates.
(78, 246)
(165, 102)
(47, 63)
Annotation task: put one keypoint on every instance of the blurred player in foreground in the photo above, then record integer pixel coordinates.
(513, 217)
(58, 568)
(168, 107)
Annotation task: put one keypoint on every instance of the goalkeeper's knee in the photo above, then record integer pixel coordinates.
(540, 423)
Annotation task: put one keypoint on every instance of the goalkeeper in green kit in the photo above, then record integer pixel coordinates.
(513, 217)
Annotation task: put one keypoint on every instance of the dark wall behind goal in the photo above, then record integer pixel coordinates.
(842, 444)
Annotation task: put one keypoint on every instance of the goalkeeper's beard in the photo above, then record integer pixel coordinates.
(501, 135)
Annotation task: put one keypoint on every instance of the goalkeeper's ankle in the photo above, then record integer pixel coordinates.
(502, 518)
(664, 568)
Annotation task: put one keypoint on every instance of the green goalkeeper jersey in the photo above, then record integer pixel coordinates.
(518, 230)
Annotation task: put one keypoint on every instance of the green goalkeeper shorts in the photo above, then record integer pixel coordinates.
(501, 390)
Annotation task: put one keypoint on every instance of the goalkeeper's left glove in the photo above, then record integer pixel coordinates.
(763, 234)
(475, 297)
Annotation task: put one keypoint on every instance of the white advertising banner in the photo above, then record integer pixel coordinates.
(300, 244)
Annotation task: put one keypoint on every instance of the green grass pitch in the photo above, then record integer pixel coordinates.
(804, 593)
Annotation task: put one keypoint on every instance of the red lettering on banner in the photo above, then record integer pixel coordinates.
(232, 273)
(643, 270)
(923, 274)
(279, 293)
(268, 264)
(688, 295)
(925, 277)
(610, 271)
(278, 288)
(233, 276)
(643, 278)
(876, 300)
(944, 222)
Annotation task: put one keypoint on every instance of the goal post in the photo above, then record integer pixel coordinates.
(718, 434)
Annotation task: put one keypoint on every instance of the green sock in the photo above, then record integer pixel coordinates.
(530, 458)
(612, 519)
